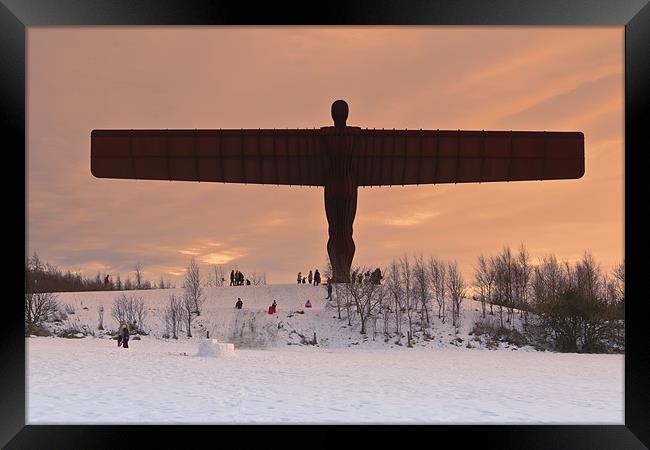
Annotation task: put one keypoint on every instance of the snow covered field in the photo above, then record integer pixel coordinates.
(343, 379)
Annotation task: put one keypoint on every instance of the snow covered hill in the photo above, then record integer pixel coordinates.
(293, 324)
(279, 375)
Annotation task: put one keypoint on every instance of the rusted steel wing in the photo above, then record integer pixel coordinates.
(299, 157)
(283, 157)
(400, 157)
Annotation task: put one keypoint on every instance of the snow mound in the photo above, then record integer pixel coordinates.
(213, 348)
(251, 329)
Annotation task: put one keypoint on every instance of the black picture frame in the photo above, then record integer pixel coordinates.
(17, 15)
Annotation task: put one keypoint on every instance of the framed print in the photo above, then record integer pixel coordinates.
(362, 214)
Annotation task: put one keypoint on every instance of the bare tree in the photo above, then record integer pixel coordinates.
(395, 289)
(130, 310)
(337, 297)
(589, 277)
(219, 275)
(457, 290)
(615, 286)
(383, 296)
(421, 290)
(363, 295)
(40, 306)
(138, 275)
(193, 288)
(548, 279)
(619, 276)
(409, 301)
(504, 265)
(257, 279)
(484, 280)
(173, 315)
(328, 269)
(343, 298)
(35, 263)
(139, 314)
(524, 275)
(438, 275)
(188, 311)
(120, 309)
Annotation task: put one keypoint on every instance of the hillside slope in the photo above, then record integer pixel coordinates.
(293, 324)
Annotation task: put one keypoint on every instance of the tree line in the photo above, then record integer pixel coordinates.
(181, 311)
(562, 306)
(559, 305)
(46, 277)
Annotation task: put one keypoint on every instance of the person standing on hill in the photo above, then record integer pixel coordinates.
(316, 278)
(299, 277)
(329, 289)
(310, 277)
(376, 276)
(239, 304)
(232, 277)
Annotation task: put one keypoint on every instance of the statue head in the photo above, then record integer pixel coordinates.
(340, 112)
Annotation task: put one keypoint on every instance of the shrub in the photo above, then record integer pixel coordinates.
(40, 306)
(130, 310)
(494, 334)
(577, 322)
(36, 330)
(71, 333)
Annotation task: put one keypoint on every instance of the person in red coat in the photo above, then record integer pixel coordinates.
(272, 307)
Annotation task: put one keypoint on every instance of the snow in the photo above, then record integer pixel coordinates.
(213, 348)
(280, 376)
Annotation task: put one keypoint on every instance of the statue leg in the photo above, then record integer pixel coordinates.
(340, 208)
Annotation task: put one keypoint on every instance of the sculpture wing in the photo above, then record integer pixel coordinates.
(400, 157)
(286, 157)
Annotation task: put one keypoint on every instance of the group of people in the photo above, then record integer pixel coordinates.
(373, 277)
(272, 309)
(313, 278)
(237, 278)
(240, 304)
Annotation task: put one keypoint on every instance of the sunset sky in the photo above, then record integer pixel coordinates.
(473, 78)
